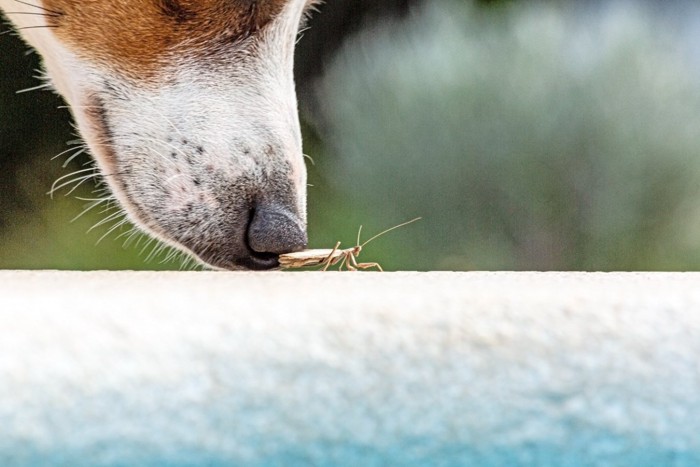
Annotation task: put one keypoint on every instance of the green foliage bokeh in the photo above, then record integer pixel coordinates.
(533, 137)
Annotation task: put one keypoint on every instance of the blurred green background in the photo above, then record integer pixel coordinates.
(528, 135)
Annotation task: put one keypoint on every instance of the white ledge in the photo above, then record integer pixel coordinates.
(353, 369)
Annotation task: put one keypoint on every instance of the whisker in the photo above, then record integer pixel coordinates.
(130, 235)
(74, 155)
(35, 13)
(107, 219)
(112, 229)
(187, 262)
(195, 265)
(91, 206)
(139, 236)
(62, 153)
(78, 107)
(300, 34)
(102, 198)
(107, 208)
(148, 243)
(174, 253)
(45, 86)
(48, 10)
(39, 26)
(157, 249)
(184, 261)
(77, 181)
(58, 185)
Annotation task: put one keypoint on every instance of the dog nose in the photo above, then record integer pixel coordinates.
(276, 230)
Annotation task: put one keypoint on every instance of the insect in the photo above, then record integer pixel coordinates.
(329, 257)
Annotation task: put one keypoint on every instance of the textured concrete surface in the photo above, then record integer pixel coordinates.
(349, 369)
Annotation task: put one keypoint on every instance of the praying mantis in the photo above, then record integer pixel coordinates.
(329, 257)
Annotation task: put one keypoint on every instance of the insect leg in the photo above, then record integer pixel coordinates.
(344, 262)
(370, 265)
(328, 261)
(352, 262)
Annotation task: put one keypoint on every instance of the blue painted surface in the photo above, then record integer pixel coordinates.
(413, 453)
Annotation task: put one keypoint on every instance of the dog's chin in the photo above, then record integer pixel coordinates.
(253, 239)
(229, 257)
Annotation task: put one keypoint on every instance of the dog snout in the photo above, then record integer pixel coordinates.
(276, 230)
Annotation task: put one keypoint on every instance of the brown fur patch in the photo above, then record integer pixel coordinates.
(138, 36)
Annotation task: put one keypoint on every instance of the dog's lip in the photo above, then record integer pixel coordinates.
(260, 261)
(254, 262)
(243, 260)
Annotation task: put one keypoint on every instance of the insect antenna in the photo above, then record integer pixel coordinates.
(385, 231)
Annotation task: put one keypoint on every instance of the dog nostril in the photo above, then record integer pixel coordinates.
(275, 230)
